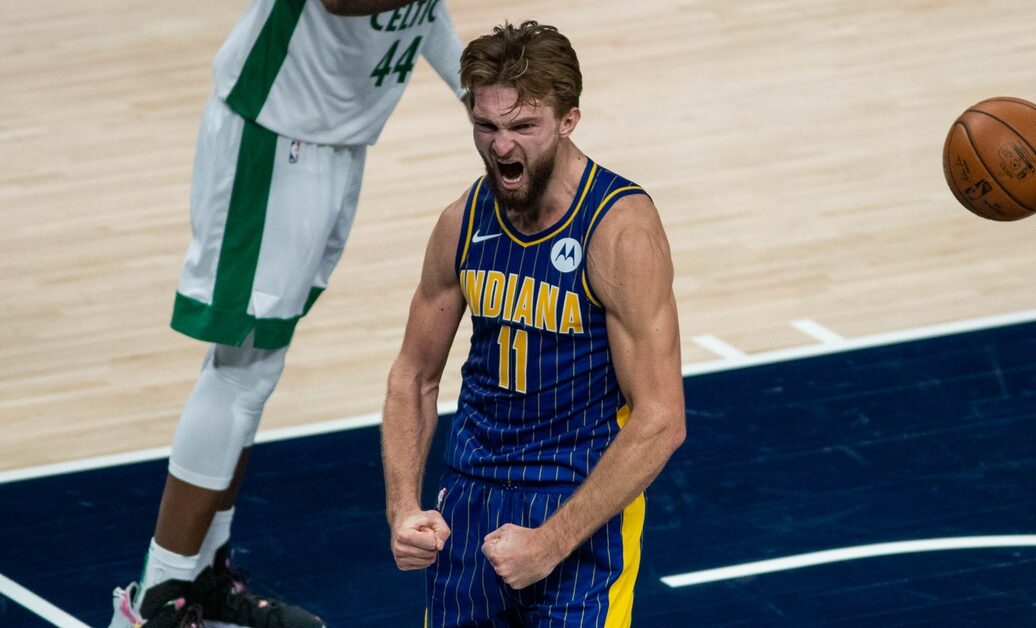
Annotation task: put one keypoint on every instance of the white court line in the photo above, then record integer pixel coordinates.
(337, 425)
(720, 348)
(83, 464)
(863, 342)
(34, 603)
(158, 453)
(847, 553)
(738, 360)
(818, 331)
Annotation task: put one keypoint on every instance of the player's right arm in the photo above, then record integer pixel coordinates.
(410, 413)
(362, 7)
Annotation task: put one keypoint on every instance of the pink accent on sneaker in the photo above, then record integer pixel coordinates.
(126, 608)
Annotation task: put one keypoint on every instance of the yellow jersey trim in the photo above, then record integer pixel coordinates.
(623, 415)
(471, 221)
(620, 593)
(589, 293)
(601, 207)
(575, 212)
(586, 281)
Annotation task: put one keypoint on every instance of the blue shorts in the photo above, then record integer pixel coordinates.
(593, 587)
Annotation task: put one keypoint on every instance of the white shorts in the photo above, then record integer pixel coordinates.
(269, 220)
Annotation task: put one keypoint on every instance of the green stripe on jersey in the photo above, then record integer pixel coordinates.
(265, 59)
(204, 322)
(246, 218)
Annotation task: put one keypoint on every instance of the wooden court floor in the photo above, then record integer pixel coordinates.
(793, 149)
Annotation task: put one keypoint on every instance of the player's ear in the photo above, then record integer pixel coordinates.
(568, 122)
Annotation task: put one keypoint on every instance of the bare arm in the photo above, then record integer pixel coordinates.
(362, 7)
(631, 270)
(410, 414)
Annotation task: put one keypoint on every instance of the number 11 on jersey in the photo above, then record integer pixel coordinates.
(519, 349)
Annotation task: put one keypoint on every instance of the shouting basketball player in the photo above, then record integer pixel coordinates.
(572, 400)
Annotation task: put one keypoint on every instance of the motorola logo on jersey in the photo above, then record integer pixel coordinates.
(566, 254)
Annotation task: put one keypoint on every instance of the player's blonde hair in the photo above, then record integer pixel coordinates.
(533, 58)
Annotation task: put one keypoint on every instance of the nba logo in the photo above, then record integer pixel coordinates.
(293, 152)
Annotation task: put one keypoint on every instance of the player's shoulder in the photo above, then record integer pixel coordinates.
(459, 205)
(631, 226)
(608, 188)
(474, 195)
(632, 209)
(451, 218)
(636, 202)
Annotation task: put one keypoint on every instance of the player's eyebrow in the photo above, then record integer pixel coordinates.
(522, 120)
(528, 119)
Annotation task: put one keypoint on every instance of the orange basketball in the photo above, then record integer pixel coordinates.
(989, 158)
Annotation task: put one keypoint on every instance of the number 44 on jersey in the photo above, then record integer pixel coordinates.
(401, 65)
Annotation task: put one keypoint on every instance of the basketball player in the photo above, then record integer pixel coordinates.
(572, 399)
(301, 89)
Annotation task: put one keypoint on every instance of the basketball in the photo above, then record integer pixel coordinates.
(989, 160)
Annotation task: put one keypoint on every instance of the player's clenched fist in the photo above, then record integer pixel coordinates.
(521, 556)
(417, 539)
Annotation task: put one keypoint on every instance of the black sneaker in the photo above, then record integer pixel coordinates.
(223, 594)
(164, 606)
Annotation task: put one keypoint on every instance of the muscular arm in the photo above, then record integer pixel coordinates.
(413, 387)
(362, 7)
(631, 271)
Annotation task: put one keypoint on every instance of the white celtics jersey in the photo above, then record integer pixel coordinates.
(299, 71)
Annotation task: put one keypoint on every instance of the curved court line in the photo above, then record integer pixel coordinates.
(37, 605)
(848, 553)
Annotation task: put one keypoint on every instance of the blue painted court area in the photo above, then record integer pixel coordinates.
(926, 439)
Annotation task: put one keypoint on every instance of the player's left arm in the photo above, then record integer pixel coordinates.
(630, 268)
(443, 49)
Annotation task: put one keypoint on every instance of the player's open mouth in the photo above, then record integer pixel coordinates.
(511, 172)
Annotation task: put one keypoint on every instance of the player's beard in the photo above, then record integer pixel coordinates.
(526, 198)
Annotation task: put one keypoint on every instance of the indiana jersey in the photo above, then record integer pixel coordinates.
(295, 69)
(539, 400)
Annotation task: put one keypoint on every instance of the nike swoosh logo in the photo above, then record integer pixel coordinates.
(482, 238)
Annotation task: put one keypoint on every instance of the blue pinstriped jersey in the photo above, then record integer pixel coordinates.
(539, 400)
